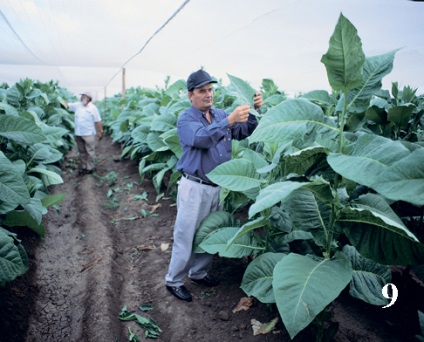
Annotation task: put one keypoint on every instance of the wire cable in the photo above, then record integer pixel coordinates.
(148, 40)
(18, 37)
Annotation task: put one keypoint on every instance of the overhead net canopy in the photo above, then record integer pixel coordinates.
(84, 45)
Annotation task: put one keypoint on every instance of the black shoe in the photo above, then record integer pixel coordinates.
(82, 172)
(180, 292)
(208, 281)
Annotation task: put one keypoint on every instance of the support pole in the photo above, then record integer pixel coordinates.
(123, 84)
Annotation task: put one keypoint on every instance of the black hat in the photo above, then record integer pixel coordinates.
(198, 79)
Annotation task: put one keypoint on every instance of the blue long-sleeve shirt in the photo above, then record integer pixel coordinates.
(206, 145)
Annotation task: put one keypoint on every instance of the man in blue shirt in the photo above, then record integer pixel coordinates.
(205, 135)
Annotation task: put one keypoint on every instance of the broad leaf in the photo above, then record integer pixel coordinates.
(257, 279)
(13, 259)
(379, 234)
(403, 180)
(304, 286)
(217, 242)
(13, 190)
(214, 220)
(248, 227)
(244, 91)
(236, 175)
(368, 278)
(21, 130)
(163, 123)
(301, 161)
(49, 177)
(294, 119)
(367, 158)
(344, 58)
(375, 68)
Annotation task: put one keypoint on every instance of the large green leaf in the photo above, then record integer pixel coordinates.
(171, 139)
(257, 279)
(8, 109)
(273, 194)
(245, 93)
(404, 180)
(236, 175)
(45, 154)
(368, 278)
(248, 227)
(214, 220)
(155, 143)
(374, 69)
(301, 161)
(304, 286)
(400, 115)
(53, 133)
(217, 242)
(296, 119)
(49, 177)
(163, 123)
(277, 192)
(13, 190)
(13, 259)
(379, 234)
(344, 58)
(367, 158)
(21, 130)
(307, 212)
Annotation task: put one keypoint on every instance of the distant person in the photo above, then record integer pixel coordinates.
(205, 135)
(88, 124)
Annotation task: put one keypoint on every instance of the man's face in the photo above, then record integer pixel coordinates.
(202, 98)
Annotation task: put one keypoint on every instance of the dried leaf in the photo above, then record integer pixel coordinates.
(263, 328)
(154, 207)
(244, 304)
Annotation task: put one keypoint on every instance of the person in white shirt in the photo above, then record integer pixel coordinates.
(88, 124)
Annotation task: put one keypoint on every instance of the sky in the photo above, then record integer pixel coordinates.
(85, 44)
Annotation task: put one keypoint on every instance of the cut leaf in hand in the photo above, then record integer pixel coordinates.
(244, 304)
(263, 328)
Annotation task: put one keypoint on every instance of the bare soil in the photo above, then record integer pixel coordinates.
(106, 249)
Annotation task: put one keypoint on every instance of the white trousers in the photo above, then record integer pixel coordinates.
(194, 202)
(86, 149)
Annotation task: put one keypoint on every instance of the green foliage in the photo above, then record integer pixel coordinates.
(35, 133)
(329, 182)
(328, 189)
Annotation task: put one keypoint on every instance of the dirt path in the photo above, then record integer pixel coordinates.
(103, 252)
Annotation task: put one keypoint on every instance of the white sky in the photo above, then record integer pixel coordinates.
(84, 43)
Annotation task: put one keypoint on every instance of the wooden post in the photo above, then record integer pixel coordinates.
(104, 102)
(123, 83)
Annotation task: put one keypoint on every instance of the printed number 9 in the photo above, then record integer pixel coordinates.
(393, 297)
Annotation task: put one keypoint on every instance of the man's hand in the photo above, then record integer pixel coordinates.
(258, 101)
(100, 135)
(240, 114)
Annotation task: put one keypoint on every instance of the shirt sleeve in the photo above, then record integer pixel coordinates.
(243, 130)
(72, 106)
(192, 131)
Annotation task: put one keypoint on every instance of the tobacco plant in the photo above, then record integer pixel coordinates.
(323, 173)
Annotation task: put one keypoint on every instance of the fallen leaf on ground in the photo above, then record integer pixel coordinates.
(145, 248)
(244, 304)
(164, 247)
(154, 207)
(263, 328)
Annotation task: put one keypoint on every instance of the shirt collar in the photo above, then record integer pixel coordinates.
(198, 111)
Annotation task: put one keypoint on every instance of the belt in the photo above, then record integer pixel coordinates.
(198, 180)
